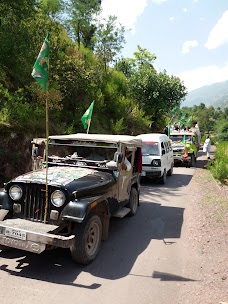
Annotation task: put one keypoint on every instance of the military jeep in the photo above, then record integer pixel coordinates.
(185, 147)
(70, 201)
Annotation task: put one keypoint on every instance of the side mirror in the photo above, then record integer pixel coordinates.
(112, 165)
(118, 157)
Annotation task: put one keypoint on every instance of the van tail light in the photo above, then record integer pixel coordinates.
(156, 163)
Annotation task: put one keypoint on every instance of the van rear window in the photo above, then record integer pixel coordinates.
(150, 148)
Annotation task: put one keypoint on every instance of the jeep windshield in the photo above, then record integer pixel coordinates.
(181, 138)
(82, 154)
(150, 148)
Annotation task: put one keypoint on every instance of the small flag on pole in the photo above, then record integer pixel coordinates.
(86, 118)
(40, 68)
(189, 121)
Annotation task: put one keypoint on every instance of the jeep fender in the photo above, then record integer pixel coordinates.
(78, 209)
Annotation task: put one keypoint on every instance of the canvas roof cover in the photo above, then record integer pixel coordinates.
(107, 138)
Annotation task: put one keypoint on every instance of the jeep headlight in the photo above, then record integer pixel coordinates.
(15, 192)
(58, 198)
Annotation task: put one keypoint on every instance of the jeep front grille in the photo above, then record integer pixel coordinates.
(34, 202)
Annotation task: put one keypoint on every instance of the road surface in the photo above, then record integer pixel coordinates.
(142, 262)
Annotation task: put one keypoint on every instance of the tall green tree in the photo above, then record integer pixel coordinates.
(157, 93)
(82, 20)
(109, 39)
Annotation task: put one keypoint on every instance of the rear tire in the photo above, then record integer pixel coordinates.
(170, 172)
(163, 178)
(87, 240)
(133, 201)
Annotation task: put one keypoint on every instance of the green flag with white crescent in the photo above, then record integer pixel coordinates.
(86, 117)
(40, 68)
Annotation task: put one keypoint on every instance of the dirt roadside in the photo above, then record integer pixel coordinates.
(207, 236)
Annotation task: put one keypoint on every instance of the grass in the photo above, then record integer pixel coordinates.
(219, 166)
(214, 198)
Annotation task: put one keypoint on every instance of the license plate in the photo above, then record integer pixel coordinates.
(15, 233)
(143, 173)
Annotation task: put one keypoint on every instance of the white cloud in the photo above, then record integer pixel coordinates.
(219, 34)
(171, 18)
(127, 11)
(202, 76)
(184, 10)
(158, 1)
(188, 45)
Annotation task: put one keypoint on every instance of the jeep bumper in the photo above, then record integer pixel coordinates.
(31, 236)
(180, 158)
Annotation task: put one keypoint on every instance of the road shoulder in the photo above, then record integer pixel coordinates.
(206, 231)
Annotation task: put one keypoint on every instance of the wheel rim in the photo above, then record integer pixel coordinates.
(92, 238)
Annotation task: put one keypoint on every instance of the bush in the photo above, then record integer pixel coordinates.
(219, 167)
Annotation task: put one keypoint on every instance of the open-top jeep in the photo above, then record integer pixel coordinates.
(69, 203)
(185, 147)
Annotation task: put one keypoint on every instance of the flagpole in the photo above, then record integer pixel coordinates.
(47, 153)
(88, 126)
(47, 135)
(40, 73)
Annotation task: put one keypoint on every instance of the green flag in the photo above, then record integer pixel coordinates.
(189, 121)
(40, 68)
(184, 139)
(86, 118)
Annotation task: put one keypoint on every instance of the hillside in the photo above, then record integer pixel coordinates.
(215, 95)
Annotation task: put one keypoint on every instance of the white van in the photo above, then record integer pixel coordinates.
(157, 156)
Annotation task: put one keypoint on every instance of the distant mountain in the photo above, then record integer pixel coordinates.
(215, 95)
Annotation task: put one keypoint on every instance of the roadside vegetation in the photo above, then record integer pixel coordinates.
(219, 166)
(85, 65)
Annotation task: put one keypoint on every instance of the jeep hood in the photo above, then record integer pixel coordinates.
(68, 177)
(178, 146)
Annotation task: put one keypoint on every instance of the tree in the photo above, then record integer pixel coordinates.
(82, 22)
(109, 39)
(157, 93)
(52, 8)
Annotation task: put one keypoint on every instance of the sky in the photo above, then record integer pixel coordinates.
(188, 37)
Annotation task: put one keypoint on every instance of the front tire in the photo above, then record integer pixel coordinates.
(133, 201)
(87, 240)
(5, 248)
(193, 161)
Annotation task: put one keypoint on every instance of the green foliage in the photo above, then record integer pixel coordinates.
(222, 129)
(109, 39)
(210, 120)
(4, 116)
(52, 8)
(81, 20)
(77, 76)
(156, 93)
(219, 167)
(118, 126)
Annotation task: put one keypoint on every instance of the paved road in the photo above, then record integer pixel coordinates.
(142, 262)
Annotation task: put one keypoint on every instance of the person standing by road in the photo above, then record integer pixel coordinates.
(207, 146)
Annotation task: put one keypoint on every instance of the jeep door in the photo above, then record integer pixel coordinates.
(124, 180)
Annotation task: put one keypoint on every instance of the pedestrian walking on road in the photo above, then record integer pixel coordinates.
(207, 146)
